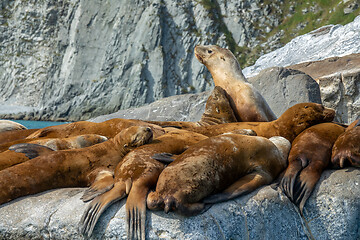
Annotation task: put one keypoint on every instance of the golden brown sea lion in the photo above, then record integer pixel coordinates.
(224, 167)
(22, 152)
(13, 135)
(69, 168)
(293, 121)
(107, 128)
(217, 111)
(346, 149)
(247, 103)
(310, 154)
(7, 125)
(134, 176)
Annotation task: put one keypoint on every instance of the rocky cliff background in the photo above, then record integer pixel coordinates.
(76, 59)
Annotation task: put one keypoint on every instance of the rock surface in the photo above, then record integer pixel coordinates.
(332, 212)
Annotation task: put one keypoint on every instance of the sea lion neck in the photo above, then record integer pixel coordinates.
(230, 76)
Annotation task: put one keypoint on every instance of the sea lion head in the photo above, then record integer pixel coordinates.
(134, 136)
(217, 60)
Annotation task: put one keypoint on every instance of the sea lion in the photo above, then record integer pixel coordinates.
(218, 169)
(7, 125)
(310, 154)
(107, 128)
(247, 103)
(22, 152)
(13, 135)
(293, 121)
(69, 168)
(346, 149)
(134, 176)
(217, 111)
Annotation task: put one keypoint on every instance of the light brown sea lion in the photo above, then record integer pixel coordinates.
(134, 176)
(217, 111)
(13, 135)
(7, 125)
(346, 149)
(247, 103)
(22, 152)
(293, 121)
(310, 154)
(69, 168)
(223, 167)
(107, 128)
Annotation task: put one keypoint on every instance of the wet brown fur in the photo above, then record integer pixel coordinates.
(310, 154)
(69, 168)
(10, 136)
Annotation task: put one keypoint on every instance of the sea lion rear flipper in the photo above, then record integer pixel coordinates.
(244, 185)
(30, 150)
(136, 212)
(98, 206)
(165, 158)
(104, 182)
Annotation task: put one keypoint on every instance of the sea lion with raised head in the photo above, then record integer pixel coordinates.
(293, 121)
(70, 168)
(346, 149)
(310, 154)
(218, 169)
(134, 176)
(248, 104)
(22, 152)
(217, 111)
(7, 125)
(107, 128)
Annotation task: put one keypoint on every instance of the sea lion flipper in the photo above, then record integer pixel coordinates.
(104, 182)
(289, 179)
(30, 150)
(98, 206)
(244, 185)
(165, 158)
(136, 213)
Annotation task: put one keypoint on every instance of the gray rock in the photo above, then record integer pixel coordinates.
(332, 212)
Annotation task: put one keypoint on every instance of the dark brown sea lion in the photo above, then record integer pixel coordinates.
(224, 167)
(107, 128)
(7, 125)
(293, 121)
(310, 154)
(217, 111)
(134, 176)
(346, 149)
(246, 101)
(22, 152)
(69, 168)
(13, 135)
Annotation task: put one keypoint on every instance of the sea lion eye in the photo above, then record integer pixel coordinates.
(306, 106)
(209, 51)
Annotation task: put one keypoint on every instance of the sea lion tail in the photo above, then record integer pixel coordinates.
(104, 181)
(136, 213)
(30, 150)
(98, 206)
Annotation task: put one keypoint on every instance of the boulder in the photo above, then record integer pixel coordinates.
(332, 212)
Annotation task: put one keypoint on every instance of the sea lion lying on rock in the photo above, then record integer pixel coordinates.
(69, 168)
(346, 149)
(13, 135)
(22, 152)
(7, 125)
(247, 103)
(218, 169)
(293, 121)
(310, 154)
(217, 111)
(134, 176)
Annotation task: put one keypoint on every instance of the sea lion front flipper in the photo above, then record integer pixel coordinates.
(136, 212)
(30, 150)
(98, 206)
(244, 185)
(165, 158)
(104, 181)
(289, 179)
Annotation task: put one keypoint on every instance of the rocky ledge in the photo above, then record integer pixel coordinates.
(332, 212)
